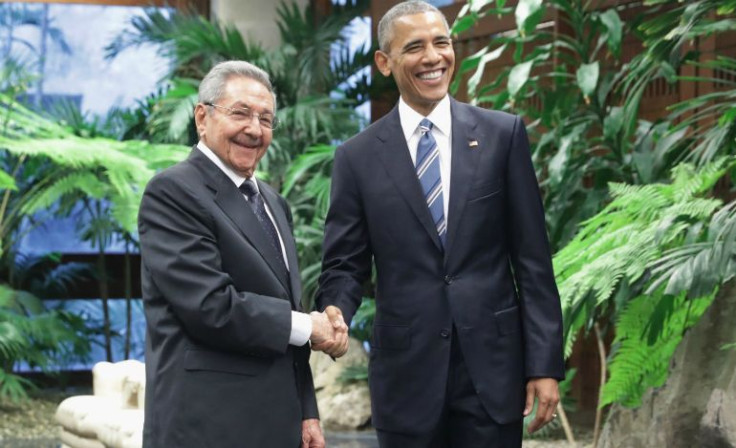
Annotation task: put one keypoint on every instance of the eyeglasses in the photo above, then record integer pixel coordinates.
(244, 114)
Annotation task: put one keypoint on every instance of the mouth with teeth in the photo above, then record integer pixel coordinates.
(431, 75)
(246, 144)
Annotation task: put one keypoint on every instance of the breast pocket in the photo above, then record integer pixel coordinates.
(484, 190)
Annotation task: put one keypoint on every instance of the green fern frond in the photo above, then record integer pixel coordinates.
(87, 183)
(640, 362)
(623, 241)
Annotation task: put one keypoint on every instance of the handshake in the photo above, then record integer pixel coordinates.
(329, 332)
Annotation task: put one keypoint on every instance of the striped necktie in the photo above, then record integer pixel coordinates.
(428, 171)
(255, 200)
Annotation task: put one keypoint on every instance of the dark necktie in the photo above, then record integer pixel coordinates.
(255, 200)
(428, 171)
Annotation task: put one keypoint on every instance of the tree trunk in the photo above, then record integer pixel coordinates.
(42, 57)
(104, 295)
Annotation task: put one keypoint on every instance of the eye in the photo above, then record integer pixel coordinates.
(443, 43)
(266, 120)
(241, 113)
(413, 48)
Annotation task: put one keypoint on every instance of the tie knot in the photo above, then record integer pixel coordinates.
(248, 188)
(425, 125)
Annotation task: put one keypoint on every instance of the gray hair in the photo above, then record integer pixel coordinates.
(212, 86)
(408, 8)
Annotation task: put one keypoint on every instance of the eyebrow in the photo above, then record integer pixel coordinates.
(243, 104)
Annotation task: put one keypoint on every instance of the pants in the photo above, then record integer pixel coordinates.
(464, 422)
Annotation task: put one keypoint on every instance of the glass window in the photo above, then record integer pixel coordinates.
(62, 46)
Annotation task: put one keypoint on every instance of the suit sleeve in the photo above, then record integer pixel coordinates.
(308, 394)
(347, 255)
(179, 248)
(532, 263)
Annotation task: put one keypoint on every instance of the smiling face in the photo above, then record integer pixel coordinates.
(421, 59)
(239, 144)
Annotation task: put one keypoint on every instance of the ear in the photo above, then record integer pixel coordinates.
(382, 62)
(200, 118)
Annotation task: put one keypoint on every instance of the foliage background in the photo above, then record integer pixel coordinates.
(640, 208)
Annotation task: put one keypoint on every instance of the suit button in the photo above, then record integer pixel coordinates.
(445, 333)
(448, 279)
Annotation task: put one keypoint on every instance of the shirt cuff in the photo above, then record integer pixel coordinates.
(301, 328)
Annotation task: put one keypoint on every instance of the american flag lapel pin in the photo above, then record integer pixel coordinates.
(473, 143)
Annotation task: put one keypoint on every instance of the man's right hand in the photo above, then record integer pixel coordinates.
(329, 332)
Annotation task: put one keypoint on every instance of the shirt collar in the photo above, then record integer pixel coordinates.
(235, 177)
(440, 117)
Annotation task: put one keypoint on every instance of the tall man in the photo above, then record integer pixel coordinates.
(227, 363)
(443, 197)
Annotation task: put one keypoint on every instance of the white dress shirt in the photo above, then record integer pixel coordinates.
(442, 133)
(301, 323)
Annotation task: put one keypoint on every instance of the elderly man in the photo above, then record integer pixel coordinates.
(227, 359)
(443, 196)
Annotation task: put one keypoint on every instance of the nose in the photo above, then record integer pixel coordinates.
(431, 55)
(253, 127)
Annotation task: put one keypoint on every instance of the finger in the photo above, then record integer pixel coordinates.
(548, 409)
(529, 400)
(345, 346)
(340, 325)
(333, 351)
(334, 313)
(335, 316)
(322, 346)
(537, 423)
(325, 347)
(544, 410)
(319, 440)
(552, 410)
(545, 413)
(341, 344)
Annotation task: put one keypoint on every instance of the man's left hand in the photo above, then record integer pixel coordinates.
(548, 395)
(312, 436)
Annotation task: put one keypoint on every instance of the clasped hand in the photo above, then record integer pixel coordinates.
(329, 332)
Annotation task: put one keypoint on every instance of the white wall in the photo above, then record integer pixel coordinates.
(256, 19)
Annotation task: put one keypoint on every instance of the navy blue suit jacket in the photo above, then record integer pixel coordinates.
(493, 281)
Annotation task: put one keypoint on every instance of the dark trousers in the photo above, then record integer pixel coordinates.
(464, 422)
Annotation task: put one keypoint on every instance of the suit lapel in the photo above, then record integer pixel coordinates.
(231, 202)
(463, 167)
(394, 154)
(282, 223)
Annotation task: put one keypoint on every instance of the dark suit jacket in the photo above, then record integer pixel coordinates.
(219, 370)
(493, 281)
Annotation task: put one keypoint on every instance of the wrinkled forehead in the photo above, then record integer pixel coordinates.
(241, 91)
(423, 26)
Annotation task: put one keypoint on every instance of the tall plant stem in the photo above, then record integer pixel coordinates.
(565, 424)
(602, 359)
